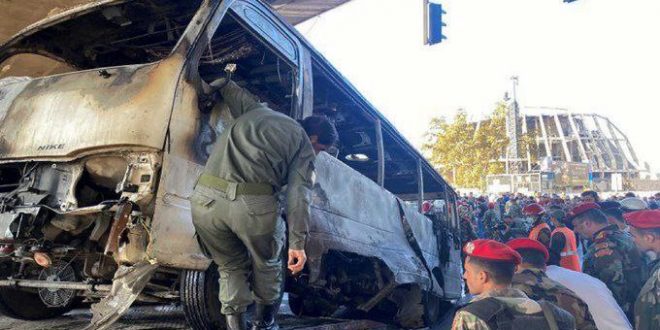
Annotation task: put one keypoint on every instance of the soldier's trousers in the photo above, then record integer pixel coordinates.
(244, 235)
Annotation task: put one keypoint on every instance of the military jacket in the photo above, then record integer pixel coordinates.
(491, 224)
(265, 146)
(614, 259)
(515, 211)
(467, 231)
(647, 306)
(538, 286)
(517, 229)
(514, 299)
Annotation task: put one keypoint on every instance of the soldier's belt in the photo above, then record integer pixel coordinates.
(234, 188)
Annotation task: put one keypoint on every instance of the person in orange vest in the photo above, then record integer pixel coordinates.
(540, 230)
(563, 244)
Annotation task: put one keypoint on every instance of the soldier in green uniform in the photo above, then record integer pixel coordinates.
(531, 279)
(234, 206)
(513, 228)
(492, 223)
(645, 229)
(489, 269)
(612, 256)
(467, 229)
(514, 210)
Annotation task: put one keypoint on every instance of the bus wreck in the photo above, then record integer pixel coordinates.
(97, 163)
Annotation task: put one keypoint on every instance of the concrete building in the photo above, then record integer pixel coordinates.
(567, 151)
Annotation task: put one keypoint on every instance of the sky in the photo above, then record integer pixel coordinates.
(589, 56)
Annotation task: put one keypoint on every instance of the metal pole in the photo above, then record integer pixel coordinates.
(420, 184)
(381, 153)
(564, 144)
(425, 3)
(55, 285)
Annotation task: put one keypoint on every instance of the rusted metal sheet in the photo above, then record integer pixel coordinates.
(127, 107)
(126, 287)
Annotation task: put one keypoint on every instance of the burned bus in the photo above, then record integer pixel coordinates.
(99, 154)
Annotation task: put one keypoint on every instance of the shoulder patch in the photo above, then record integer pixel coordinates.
(603, 252)
(600, 236)
(601, 245)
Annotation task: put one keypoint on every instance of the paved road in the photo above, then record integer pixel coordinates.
(171, 317)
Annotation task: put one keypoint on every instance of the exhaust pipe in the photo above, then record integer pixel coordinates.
(55, 285)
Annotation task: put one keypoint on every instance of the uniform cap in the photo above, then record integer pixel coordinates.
(606, 205)
(533, 209)
(646, 219)
(426, 207)
(581, 208)
(630, 204)
(526, 243)
(491, 250)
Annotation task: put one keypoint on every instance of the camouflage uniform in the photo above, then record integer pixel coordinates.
(515, 300)
(491, 222)
(517, 229)
(614, 259)
(467, 229)
(647, 306)
(537, 285)
(515, 211)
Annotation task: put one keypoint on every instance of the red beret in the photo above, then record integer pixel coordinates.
(491, 250)
(581, 208)
(533, 209)
(426, 207)
(526, 243)
(645, 219)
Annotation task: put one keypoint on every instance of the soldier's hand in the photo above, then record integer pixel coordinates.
(297, 259)
(218, 83)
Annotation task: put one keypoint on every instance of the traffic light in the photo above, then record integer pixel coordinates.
(433, 26)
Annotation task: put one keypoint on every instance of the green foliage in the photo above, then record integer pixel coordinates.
(464, 154)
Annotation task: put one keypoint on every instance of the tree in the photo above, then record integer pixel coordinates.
(466, 152)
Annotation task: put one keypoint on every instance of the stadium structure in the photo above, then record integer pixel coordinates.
(565, 152)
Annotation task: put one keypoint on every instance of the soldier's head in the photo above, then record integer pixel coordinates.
(645, 229)
(587, 219)
(321, 131)
(489, 265)
(615, 217)
(589, 196)
(534, 211)
(557, 217)
(534, 254)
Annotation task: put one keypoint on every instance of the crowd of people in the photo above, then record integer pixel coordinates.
(561, 263)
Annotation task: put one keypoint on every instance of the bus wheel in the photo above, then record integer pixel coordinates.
(199, 297)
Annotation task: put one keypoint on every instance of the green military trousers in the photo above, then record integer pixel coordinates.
(244, 235)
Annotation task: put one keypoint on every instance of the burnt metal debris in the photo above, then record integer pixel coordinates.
(96, 166)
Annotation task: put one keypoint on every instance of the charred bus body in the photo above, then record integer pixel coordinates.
(97, 163)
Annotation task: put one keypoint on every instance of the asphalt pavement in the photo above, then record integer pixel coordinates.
(171, 317)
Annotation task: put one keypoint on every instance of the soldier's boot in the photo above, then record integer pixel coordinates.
(264, 317)
(236, 321)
